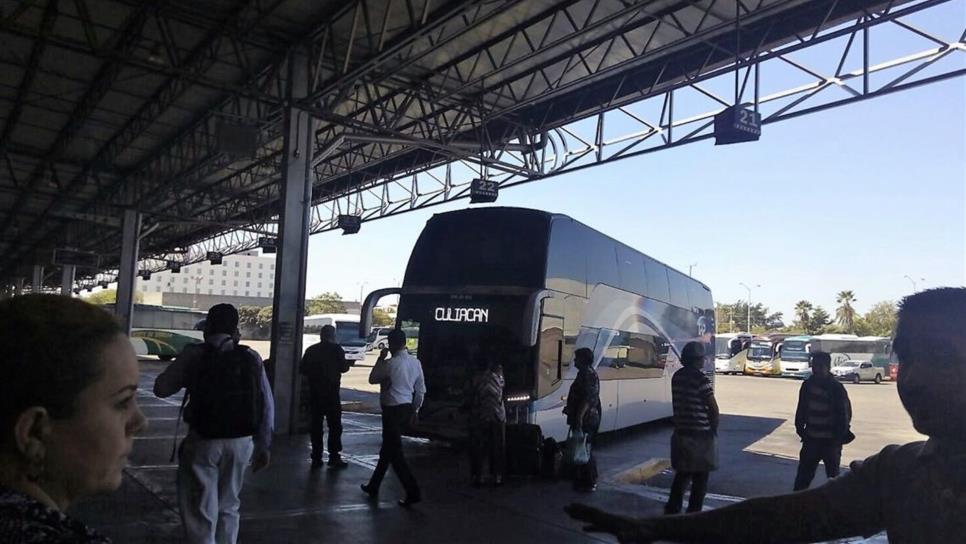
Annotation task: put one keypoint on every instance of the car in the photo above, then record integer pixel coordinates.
(857, 371)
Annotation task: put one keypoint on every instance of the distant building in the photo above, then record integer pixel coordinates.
(244, 279)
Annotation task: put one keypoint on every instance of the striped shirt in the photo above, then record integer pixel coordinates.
(486, 397)
(690, 391)
(818, 406)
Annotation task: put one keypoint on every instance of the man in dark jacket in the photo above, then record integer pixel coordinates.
(822, 421)
(323, 365)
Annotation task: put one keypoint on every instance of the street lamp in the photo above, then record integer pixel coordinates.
(362, 287)
(749, 302)
(914, 290)
(690, 266)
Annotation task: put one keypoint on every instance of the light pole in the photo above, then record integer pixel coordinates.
(362, 287)
(914, 290)
(690, 266)
(749, 303)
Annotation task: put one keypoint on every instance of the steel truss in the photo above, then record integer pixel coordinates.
(400, 131)
(680, 114)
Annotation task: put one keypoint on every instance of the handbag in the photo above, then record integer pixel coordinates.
(578, 448)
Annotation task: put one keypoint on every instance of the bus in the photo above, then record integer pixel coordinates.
(346, 332)
(163, 331)
(729, 357)
(764, 355)
(794, 357)
(530, 287)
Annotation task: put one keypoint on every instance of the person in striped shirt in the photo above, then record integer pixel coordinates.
(693, 449)
(487, 419)
(822, 421)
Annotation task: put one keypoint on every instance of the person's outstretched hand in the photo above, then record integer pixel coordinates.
(627, 530)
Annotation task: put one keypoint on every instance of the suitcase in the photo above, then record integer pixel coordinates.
(524, 449)
(552, 459)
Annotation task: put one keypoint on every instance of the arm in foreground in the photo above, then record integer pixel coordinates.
(845, 507)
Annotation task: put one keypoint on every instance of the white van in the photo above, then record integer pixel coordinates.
(346, 332)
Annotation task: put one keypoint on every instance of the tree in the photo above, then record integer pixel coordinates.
(109, 296)
(326, 303)
(803, 311)
(248, 322)
(845, 313)
(819, 322)
(265, 319)
(881, 318)
(381, 318)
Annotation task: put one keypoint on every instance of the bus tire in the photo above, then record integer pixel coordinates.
(166, 357)
(878, 378)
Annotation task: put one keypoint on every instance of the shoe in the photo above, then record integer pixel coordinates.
(409, 500)
(316, 464)
(369, 490)
(498, 481)
(337, 464)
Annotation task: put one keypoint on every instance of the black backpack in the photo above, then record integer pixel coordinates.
(223, 391)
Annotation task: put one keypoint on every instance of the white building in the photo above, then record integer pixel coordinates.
(241, 275)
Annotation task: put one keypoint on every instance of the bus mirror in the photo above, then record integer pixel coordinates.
(365, 312)
(531, 321)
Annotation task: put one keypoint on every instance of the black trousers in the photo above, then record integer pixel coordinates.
(699, 488)
(326, 406)
(488, 441)
(828, 452)
(395, 419)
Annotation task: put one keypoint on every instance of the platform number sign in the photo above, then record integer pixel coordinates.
(737, 124)
(482, 190)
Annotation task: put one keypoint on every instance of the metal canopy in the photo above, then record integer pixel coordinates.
(175, 108)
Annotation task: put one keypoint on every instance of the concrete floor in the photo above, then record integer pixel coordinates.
(288, 503)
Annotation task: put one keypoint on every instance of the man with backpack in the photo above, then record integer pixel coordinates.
(229, 402)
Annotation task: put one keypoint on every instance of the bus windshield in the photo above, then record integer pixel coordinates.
(450, 336)
(795, 350)
(347, 333)
(721, 348)
(760, 351)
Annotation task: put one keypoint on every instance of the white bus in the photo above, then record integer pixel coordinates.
(531, 287)
(346, 332)
(728, 358)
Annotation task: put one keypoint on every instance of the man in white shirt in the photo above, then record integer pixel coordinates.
(401, 391)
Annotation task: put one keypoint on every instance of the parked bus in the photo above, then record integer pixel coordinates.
(764, 355)
(530, 287)
(729, 355)
(849, 347)
(346, 332)
(163, 331)
(794, 357)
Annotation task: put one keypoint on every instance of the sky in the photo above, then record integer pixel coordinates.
(852, 198)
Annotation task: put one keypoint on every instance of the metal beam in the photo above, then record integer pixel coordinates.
(127, 273)
(293, 246)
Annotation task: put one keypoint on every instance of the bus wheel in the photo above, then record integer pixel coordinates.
(166, 357)
(878, 378)
(856, 379)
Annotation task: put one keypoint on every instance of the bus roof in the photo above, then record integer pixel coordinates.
(334, 317)
(803, 338)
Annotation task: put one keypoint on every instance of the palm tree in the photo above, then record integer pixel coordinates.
(803, 310)
(845, 314)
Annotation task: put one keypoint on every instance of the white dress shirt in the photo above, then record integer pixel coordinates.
(400, 380)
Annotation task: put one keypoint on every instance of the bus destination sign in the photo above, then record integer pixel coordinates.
(463, 315)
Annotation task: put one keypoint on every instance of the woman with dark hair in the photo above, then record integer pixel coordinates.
(68, 414)
(583, 413)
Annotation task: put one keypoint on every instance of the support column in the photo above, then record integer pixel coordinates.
(293, 247)
(67, 280)
(127, 272)
(18, 286)
(37, 282)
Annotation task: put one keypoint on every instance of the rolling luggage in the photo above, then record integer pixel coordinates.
(524, 449)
